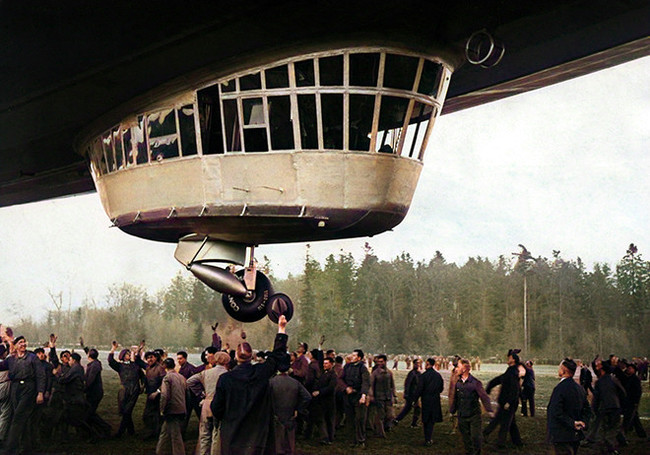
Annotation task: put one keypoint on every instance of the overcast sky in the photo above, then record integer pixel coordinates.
(561, 168)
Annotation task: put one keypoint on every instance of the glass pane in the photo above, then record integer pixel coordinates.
(277, 77)
(332, 106)
(391, 120)
(119, 157)
(98, 157)
(253, 111)
(331, 70)
(304, 73)
(188, 134)
(210, 121)
(362, 108)
(163, 148)
(308, 126)
(250, 82)
(231, 123)
(107, 142)
(129, 153)
(400, 71)
(255, 140)
(430, 79)
(280, 123)
(162, 123)
(416, 130)
(364, 69)
(138, 138)
(228, 86)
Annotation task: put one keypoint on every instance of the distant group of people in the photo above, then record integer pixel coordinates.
(257, 403)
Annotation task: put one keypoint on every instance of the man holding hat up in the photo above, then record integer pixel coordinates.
(242, 403)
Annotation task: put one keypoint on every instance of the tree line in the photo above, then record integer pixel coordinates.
(397, 306)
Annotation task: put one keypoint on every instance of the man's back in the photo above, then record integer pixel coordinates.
(568, 404)
(287, 396)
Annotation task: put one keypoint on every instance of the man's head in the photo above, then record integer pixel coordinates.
(210, 353)
(75, 358)
(169, 364)
(338, 359)
(631, 369)
(331, 353)
(356, 356)
(464, 367)
(513, 357)
(417, 364)
(20, 343)
(221, 358)
(181, 357)
(302, 348)
(567, 368)
(65, 357)
(125, 355)
(380, 360)
(244, 352)
(430, 363)
(40, 353)
(93, 354)
(150, 358)
(327, 363)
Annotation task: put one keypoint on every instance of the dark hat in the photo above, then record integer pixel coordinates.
(633, 365)
(244, 352)
(123, 352)
(515, 354)
(570, 365)
(284, 363)
(18, 338)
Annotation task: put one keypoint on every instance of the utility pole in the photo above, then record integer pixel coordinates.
(523, 264)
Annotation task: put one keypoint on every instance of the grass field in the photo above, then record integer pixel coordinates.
(402, 440)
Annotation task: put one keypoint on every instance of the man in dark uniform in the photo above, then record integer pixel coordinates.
(357, 381)
(75, 406)
(289, 398)
(242, 402)
(325, 401)
(465, 403)
(585, 377)
(40, 408)
(430, 387)
(567, 412)
(608, 396)
(631, 408)
(154, 373)
(94, 389)
(528, 390)
(410, 394)
(130, 378)
(508, 401)
(27, 390)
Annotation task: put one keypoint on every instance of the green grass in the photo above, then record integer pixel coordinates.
(402, 440)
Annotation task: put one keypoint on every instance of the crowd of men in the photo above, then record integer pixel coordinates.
(257, 403)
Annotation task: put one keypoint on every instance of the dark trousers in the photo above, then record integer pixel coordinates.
(610, 424)
(23, 402)
(327, 414)
(340, 407)
(528, 402)
(566, 448)
(428, 429)
(356, 414)
(99, 426)
(410, 404)
(505, 419)
(631, 420)
(151, 417)
(470, 429)
(126, 424)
